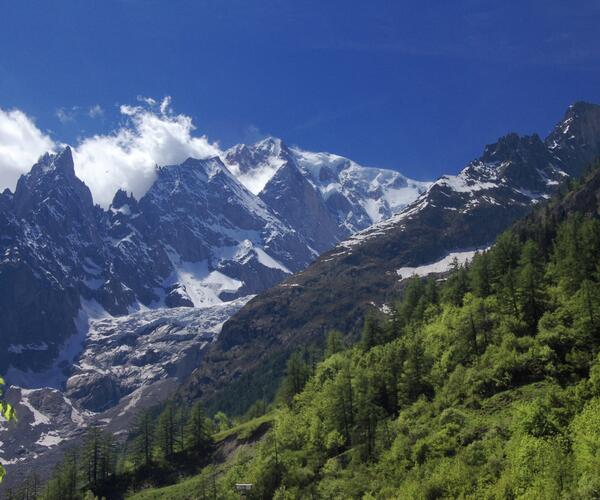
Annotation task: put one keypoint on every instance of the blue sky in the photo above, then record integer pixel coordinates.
(415, 86)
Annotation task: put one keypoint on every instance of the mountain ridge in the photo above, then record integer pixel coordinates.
(135, 253)
(459, 212)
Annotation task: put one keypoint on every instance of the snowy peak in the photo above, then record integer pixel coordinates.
(355, 196)
(207, 231)
(511, 175)
(52, 177)
(299, 203)
(254, 165)
(367, 195)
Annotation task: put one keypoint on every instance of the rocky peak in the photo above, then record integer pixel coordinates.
(575, 140)
(121, 199)
(271, 145)
(512, 146)
(246, 158)
(53, 179)
(300, 204)
(63, 162)
(58, 163)
(121, 211)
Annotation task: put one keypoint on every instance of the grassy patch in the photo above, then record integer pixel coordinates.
(245, 431)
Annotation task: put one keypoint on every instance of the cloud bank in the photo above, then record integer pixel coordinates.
(21, 144)
(152, 134)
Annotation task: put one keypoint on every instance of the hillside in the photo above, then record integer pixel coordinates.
(483, 385)
(456, 215)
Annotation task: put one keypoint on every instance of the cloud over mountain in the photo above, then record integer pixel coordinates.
(21, 143)
(152, 134)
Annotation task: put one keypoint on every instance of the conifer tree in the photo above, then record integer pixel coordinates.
(166, 431)
(530, 280)
(335, 343)
(198, 438)
(457, 284)
(372, 333)
(143, 432)
(297, 373)
(92, 455)
(480, 275)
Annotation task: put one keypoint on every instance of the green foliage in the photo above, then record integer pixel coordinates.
(8, 413)
(296, 375)
(335, 343)
(143, 439)
(198, 437)
(163, 443)
(487, 386)
(83, 472)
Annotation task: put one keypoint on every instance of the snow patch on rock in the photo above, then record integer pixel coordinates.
(440, 266)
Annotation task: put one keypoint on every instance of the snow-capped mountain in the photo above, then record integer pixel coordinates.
(510, 176)
(204, 233)
(320, 190)
(456, 215)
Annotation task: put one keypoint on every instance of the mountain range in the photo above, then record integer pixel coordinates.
(198, 237)
(457, 215)
(106, 306)
(226, 265)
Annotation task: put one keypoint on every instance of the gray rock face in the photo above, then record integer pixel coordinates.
(575, 141)
(296, 200)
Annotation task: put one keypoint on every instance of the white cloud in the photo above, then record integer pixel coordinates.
(95, 111)
(148, 100)
(21, 144)
(128, 157)
(67, 115)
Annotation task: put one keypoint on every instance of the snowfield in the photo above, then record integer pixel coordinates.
(441, 266)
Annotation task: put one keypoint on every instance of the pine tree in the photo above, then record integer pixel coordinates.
(166, 431)
(345, 401)
(372, 333)
(505, 260)
(480, 275)
(412, 294)
(335, 343)
(415, 367)
(97, 458)
(296, 376)
(143, 432)
(198, 438)
(530, 285)
(457, 284)
(107, 458)
(367, 416)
